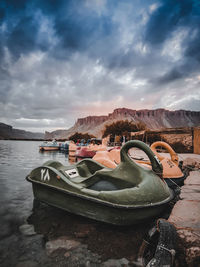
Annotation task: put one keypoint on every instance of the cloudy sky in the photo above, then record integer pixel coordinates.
(64, 59)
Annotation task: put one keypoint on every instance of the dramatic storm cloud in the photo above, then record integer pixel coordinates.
(60, 60)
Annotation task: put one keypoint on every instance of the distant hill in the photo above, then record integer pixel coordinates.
(153, 119)
(8, 132)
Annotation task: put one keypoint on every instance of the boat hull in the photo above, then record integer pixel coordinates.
(174, 182)
(93, 209)
(84, 152)
(48, 148)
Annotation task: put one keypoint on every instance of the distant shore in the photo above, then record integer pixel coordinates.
(23, 139)
(32, 139)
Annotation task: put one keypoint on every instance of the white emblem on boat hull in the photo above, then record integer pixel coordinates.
(72, 173)
(45, 175)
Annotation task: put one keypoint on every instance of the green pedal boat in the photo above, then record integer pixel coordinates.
(125, 195)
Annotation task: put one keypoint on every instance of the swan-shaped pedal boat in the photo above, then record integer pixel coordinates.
(125, 195)
(172, 174)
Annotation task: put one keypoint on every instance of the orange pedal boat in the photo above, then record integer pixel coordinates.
(171, 171)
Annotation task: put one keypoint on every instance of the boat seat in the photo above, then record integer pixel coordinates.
(94, 176)
(103, 180)
(103, 185)
(87, 167)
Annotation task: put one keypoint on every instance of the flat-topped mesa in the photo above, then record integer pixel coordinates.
(144, 112)
(125, 113)
(156, 119)
(91, 120)
(121, 112)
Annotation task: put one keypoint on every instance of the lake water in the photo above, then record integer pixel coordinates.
(21, 249)
(17, 159)
(17, 249)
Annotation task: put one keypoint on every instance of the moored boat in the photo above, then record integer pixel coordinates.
(171, 170)
(84, 152)
(72, 149)
(125, 195)
(65, 146)
(49, 146)
(93, 146)
(172, 174)
(109, 159)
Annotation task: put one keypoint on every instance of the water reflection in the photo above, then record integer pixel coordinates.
(17, 159)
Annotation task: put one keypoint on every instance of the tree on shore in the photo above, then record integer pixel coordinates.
(121, 128)
(78, 136)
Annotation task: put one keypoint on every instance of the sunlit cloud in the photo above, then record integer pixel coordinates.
(61, 60)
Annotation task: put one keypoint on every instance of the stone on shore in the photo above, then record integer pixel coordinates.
(186, 217)
(61, 243)
(191, 162)
(116, 263)
(27, 229)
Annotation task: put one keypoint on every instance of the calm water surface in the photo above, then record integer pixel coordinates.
(17, 159)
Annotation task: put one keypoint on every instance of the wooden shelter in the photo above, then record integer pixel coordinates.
(196, 140)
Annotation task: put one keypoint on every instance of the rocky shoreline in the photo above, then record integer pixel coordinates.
(52, 237)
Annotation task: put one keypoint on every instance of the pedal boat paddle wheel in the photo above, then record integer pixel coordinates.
(125, 195)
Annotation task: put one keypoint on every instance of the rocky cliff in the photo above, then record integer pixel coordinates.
(8, 132)
(153, 119)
